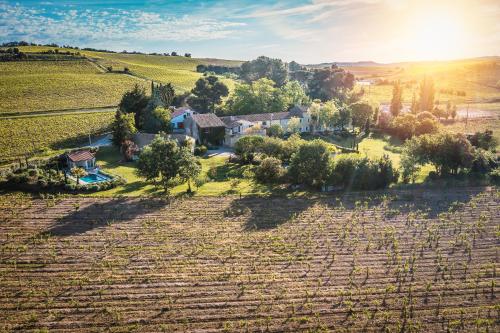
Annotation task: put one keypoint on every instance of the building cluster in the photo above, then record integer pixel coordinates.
(209, 129)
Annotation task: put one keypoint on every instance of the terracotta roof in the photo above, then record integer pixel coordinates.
(297, 111)
(81, 155)
(207, 120)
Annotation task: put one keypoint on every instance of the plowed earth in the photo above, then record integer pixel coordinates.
(386, 261)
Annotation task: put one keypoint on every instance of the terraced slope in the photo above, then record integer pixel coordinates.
(390, 261)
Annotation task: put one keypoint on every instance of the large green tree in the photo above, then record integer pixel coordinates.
(158, 120)
(135, 101)
(314, 153)
(361, 112)
(208, 93)
(329, 83)
(122, 128)
(264, 67)
(163, 161)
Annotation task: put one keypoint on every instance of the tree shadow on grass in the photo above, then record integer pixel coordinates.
(100, 214)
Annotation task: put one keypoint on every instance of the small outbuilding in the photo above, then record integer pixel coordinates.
(80, 159)
(206, 129)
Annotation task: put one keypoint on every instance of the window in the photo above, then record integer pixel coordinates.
(185, 116)
(264, 123)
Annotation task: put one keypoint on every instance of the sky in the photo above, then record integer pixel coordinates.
(307, 31)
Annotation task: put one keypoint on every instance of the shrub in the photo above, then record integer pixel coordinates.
(310, 165)
(212, 172)
(483, 161)
(200, 150)
(94, 188)
(484, 140)
(201, 180)
(275, 131)
(495, 176)
(247, 147)
(270, 170)
(361, 173)
(426, 126)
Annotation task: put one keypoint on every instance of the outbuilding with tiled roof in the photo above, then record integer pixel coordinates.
(81, 159)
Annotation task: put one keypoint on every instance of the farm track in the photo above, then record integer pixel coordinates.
(397, 260)
(56, 112)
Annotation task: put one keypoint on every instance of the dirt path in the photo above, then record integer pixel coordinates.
(56, 112)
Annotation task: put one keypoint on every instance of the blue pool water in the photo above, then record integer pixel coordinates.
(95, 178)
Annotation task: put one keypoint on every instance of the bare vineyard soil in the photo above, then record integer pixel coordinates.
(415, 261)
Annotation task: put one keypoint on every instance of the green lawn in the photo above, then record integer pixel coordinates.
(229, 179)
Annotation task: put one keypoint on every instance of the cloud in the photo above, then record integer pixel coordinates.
(74, 25)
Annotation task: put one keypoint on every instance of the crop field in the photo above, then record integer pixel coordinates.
(407, 261)
(479, 79)
(54, 85)
(25, 135)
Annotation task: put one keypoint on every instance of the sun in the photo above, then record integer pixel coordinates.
(436, 35)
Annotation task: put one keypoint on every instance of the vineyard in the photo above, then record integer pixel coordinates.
(24, 135)
(54, 85)
(395, 261)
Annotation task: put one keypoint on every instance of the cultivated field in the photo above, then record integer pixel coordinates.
(421, 261)
(33, 134)
(53, 85)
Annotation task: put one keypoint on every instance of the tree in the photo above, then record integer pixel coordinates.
(166, 94)
(426, 126)
(264, 67)
(160, 159)
(78, 173)
(158, 120)
(329, 83)
(189, 166)
(294, 94)
(122, 128)
(484, 140)
(293, 125)
(361, 112)
(403, 126)
(414, 105)
(275, 131)
(343, 117)
(426, 102)
(396, 102)
(260, 96)
(328, 114)
(247, 147)
(135, 102)
(310, 165)
(208, 93)
(448, 152)
(294, 66)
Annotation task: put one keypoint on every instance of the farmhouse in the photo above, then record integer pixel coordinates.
(81, 159)
(179, 115)
(206, 129)
(256, 124)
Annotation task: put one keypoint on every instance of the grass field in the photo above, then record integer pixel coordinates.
(53, 85)
(229, 178)
(19, 136)
(392, 261)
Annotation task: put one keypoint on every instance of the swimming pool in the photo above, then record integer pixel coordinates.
(95, 178)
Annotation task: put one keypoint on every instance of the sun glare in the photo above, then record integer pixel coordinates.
(436, 35)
